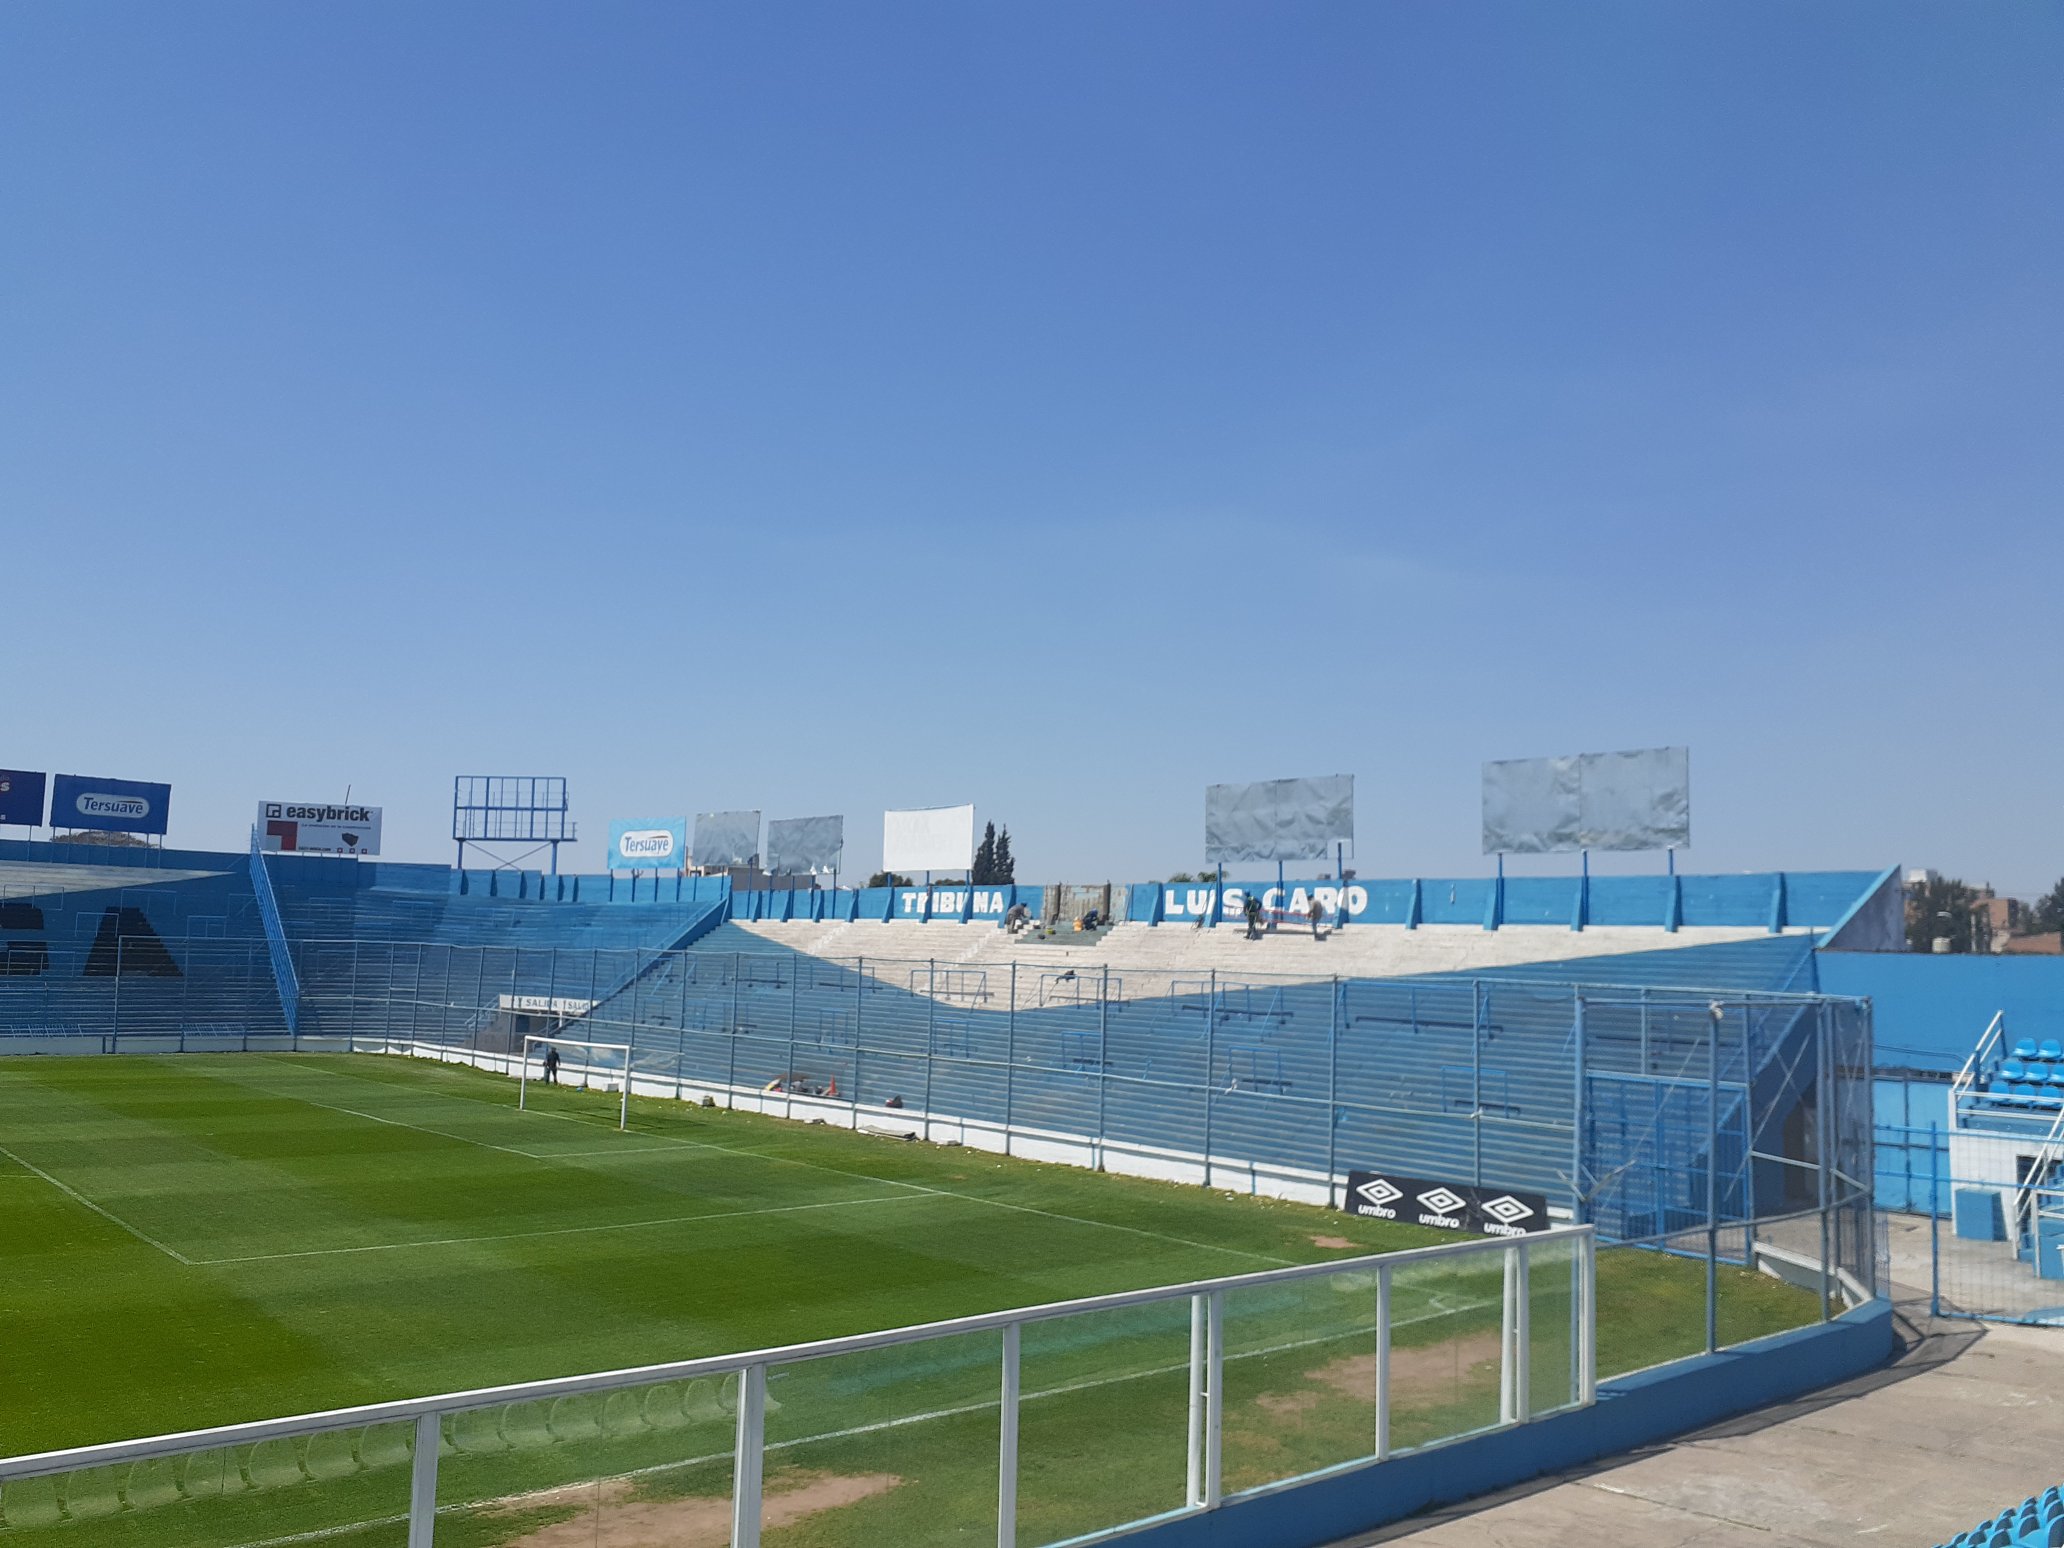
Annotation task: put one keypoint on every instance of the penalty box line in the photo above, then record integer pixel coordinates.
(892, 1182)
(101, 1210)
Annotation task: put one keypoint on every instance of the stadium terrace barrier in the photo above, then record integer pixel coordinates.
(989, 1416)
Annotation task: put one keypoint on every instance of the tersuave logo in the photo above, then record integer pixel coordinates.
(92, 803)
(646, 844)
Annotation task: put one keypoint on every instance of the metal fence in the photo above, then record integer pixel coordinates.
(1058, 1423)
(1989, 1247)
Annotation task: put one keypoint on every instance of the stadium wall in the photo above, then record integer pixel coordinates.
(1631, 1411)
(1931, 1010)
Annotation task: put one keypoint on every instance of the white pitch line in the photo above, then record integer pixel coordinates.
(892, 1182)
(105, 1214)
(517, 1236)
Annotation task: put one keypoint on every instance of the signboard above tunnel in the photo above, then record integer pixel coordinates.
(1278, 819)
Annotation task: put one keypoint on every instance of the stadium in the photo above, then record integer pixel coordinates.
(373, 1202)
(934, 1059)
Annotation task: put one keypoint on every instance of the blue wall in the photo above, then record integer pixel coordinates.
(1930, 1011)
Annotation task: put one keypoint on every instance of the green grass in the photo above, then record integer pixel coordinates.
(197, 1241)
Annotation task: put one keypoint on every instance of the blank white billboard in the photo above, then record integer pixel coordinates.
(930, 838)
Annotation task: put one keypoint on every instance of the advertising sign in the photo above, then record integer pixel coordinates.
(21, 798)
(111, 805)
(318, 828)
(1445, 1206)
(648, 844)
(932, 838)
(1278, 819)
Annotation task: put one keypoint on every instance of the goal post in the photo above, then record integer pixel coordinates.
(588, 1068)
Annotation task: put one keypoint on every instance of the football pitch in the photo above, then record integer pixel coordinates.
(201, 1240)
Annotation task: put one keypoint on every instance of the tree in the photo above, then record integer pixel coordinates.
(983, 873)
(2049, 911)
(888, 879)
(1006, 862)
(1942, 908)
(1183, 876)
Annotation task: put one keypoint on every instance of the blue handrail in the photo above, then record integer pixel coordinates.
(283, 974)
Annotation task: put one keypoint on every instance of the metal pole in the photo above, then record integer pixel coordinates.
(1010, 1062)
(859, 1005)
(1823, 1113)
(1333, 1092)
(1508, 1405)
(1576, 1172)
(1214, 1406)
(1103, 1062)
(731, 1055)
(931, 1020)
(749, 1457)
(1200, 1319)
(1587, 1327)
(1719, 1015)
(1476, 1078)
(1934, 1222)
(1522, 1338)
(794, 977)
(1210, 1062)
(1007, 1446)
(423, 1482)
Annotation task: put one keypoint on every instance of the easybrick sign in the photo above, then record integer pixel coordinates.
(318, 827)
(1445, 1206)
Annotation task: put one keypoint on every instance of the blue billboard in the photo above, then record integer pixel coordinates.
(114, 805)
(21, 798)
(648, 844)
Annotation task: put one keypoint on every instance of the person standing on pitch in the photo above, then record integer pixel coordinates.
(551, 1065)
(1317, 911)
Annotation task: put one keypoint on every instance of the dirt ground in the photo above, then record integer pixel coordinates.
(612, 1517)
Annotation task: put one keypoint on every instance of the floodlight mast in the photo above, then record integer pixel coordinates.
(623, 1114)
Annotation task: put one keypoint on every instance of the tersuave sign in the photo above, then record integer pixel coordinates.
(318, 828)
(648, 844)
(1445, 1206)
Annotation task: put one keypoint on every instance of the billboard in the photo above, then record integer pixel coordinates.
(1445, 1206)
(1278, 819)
(1608, 801)
(727, 838)
(318, 828)
(931, 838)
(111, 805)
(800, 846)
(21, 798)
(648, 844)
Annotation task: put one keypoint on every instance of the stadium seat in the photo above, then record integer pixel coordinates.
(2013, 1070)
(2025, 1048)
(2052, 1049)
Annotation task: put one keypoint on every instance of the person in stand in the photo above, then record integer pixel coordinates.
(551, 1065)
(1317, 911)
(1016, 920)
(1252, 909)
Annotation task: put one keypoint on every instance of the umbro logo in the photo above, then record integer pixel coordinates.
(1380, 1190)
(1505, 1209)
(1443, 1201)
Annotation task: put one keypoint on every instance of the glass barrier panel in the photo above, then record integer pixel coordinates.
(893, 1445)
(347, 1487)
(1447, 1317)
(1300, 1378)
(1553, 1264)
(649, 1463)
(1103, 1425)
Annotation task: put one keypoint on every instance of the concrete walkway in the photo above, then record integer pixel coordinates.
(1964, 1422)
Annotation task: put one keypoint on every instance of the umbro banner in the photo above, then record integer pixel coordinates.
(1445, 1206)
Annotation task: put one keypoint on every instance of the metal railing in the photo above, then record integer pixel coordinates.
(1967, 1078)
(1220, 1361)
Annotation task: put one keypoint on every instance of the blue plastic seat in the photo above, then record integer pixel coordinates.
(2025, 1048)
(2052, 1049)
(2013, 1069)
(2038, 1072)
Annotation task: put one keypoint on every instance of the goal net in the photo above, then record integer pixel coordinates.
(573, 1061)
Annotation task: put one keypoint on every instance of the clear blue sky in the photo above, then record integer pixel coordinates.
(1055, 406)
